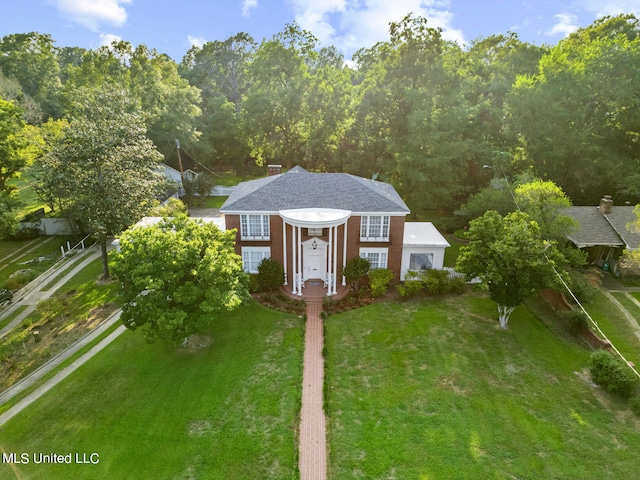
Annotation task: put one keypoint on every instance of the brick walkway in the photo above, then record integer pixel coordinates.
(313, 443)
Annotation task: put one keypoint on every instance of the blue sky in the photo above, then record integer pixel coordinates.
(173, 26)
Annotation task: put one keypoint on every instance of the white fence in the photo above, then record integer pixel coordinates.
(220, 191)
(50, 226)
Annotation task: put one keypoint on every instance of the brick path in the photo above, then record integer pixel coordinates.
(313, 443)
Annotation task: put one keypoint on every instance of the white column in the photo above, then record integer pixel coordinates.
(335, 260)
(299, 260)
(329, 261)
(284, 249)
(293, 259)
(344, 252)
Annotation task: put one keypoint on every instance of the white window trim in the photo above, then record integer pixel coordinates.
(366, 227)
(249, 264)
(383, 256)
(264, 227)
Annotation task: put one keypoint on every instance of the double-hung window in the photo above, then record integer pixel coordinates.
(254, 227)
(252, 256)
(374, 228)
(377, 256)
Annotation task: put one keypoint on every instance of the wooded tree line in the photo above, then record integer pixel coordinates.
(416, 110)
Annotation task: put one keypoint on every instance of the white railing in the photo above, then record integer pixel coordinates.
(220, 191)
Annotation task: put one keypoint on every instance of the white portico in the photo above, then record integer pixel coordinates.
(313, 257)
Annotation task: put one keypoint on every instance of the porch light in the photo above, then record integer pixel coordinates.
(314, 245)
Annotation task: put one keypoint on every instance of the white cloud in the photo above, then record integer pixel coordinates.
(247, 5)
(106, 39)
(567, 24)
(196, 41)
(352, 24)
(93, 13)
(610, 7)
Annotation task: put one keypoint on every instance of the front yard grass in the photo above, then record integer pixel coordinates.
(434, 389)
(152, 411)
(615, 326)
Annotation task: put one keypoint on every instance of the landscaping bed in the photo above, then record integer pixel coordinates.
(81, 305)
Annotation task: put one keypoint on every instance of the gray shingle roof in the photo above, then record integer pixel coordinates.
(300, 189)
(608, 230)
(619, 218)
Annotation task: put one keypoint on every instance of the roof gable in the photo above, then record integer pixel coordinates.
(300, 189)
(604, 229)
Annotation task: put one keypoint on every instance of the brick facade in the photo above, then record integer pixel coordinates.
(394, 245)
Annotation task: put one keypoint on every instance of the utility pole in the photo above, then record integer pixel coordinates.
(180, 162)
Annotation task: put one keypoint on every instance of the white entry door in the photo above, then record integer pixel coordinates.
(314, 262)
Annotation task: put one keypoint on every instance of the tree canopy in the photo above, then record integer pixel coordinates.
(511, 258)
(103, 165)
(417, 110)
(176, 275)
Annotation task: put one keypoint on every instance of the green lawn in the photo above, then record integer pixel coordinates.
(214, 202)
(229, 411)
(28, 197)
(44, 247)
(631, 307)
(435, 390)
(615, 326)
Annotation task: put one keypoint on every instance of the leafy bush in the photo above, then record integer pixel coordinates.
(582, 283)
(611, 374)
(270, 275)
(576, 320)
(354, 270)
(379, 281)
(411, 286)
(436, 282)
(19, 279)
(254, 286)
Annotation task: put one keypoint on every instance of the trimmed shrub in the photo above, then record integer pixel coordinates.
(254, 286)
(270, 275)
(354, 270)
(611, 374)
(634, 404)
(411, 286)
(436, 282)
(379, 281)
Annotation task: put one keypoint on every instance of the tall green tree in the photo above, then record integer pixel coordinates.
(105, 165)
(30, 58)
(275, 113)
(170, 104)
(577, 121)
(176, 276)
(13, 142)
(511, 258)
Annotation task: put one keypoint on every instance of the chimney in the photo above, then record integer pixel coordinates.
(606, 204)
(274, 169)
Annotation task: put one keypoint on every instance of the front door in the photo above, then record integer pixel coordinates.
(314, 261)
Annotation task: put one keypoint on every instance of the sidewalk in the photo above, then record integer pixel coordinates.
(313, 443)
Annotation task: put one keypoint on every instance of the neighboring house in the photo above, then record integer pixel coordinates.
(314, 223)
(604, 233)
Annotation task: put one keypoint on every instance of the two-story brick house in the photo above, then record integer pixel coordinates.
(314, 223)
